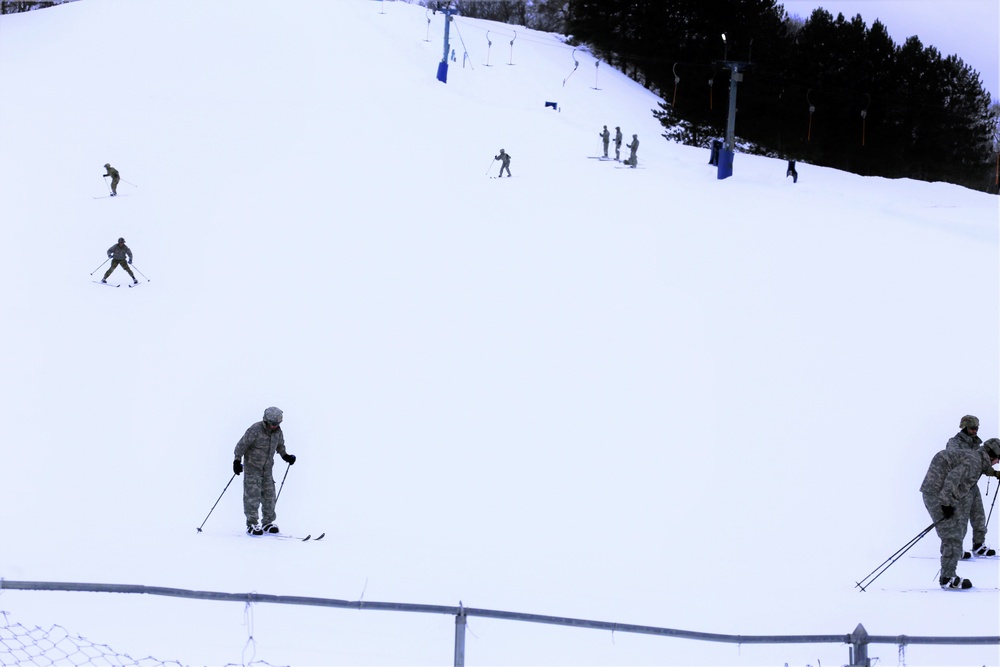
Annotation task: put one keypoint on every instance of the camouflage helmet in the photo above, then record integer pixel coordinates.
(969, 420)
(121, 239)
(107, 164)
(993, 447)
(273, 415)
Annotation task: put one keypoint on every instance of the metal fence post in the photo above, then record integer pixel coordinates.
(859, 647)
(460, 622)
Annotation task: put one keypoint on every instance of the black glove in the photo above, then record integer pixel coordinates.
(948, 510)
(288, 458)
(237, 467)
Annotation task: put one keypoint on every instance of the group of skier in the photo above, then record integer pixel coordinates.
(631, 160)
(254, 453)
(951, 495)
(633, 147)
(119, 254)
(950, 487)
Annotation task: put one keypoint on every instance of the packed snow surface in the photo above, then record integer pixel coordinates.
(641, 396)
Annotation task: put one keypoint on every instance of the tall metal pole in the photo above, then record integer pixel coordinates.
(729, 145)
(734, 80)
(442, 74)
(460, 623)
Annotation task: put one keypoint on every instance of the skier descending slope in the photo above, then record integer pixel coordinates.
(950, 476)
(504, 158)
(120, 255)
(257, 448)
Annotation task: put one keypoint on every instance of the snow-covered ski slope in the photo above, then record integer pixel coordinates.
(645, 396)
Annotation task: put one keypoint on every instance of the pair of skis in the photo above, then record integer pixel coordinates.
(98, 282)
(283, 536)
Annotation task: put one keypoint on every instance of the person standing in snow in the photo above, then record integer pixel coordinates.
(120, 255)
(792, 172)
(605, 138)
(633, 147)
(968, 438)
(618, 143)
(950, 476)
(504, 163)
(256, 449)
(115, 177)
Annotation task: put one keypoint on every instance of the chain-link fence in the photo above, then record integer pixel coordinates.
(32, 647)
(55, 646)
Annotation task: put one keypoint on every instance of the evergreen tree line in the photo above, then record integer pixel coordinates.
(18, 6)
(830, 91)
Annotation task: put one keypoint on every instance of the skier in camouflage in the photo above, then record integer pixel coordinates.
(115, 177)
(950, 476)
(120, 255)
(605, 138)
(968, 438)
(256, 449)
(632, 161)
(504, 158)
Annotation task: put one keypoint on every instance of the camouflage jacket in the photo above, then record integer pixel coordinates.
(258, 445)
(953, 473)
(964, 441)
(112, 172)
(120, 252)
(618, 137)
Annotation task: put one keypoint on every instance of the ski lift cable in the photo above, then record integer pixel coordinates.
(464, 48)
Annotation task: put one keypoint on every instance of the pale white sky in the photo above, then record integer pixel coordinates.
(968, 28)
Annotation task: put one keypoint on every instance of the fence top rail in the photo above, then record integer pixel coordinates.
(485, 613)
(903, 640)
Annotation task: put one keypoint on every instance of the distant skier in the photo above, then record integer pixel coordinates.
(605, 138)
(950, 476)
(791, 172)
(633, 147)
(968, 438)
(256, 449)
(115, 177)
(504, 163)
(618, 143)
(120, 255)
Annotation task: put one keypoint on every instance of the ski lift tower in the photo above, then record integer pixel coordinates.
(442, 74)
(736, 69)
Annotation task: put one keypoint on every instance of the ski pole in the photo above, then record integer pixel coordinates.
(282, 484)
(107, 185)
(129, 182)
(217, 501)
(892, 559)
(490, 167)
(140, 272)
(98, 268)
(991, 504)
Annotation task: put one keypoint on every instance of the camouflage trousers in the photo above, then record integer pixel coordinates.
(977, 516)
(258, 494)
(951, 531)
(114, 265)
